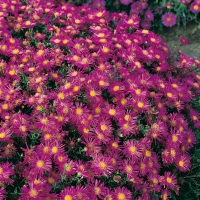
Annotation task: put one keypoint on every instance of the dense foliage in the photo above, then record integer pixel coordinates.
(93, 107)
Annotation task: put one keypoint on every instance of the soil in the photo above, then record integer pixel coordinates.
(191, 32)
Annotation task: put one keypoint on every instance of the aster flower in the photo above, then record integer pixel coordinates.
(194, 117)
(127, 127)
(136, 8)
(5, 171)
(33, 192)
(165, 194)
(194, 7)
(122, 194)
(130, 169)
(102, 165)
(155, 182)
(183, 163)
(125, 2)
(41, 164)
(80, 113)
(169, 19)
(132, 149)
(82, 193)
(149, 15)
(4, 134)
(91, 146)
(141, 104)
(69, 168)
(96, 189)
(169, 180)
(112, 111)
(69, 193)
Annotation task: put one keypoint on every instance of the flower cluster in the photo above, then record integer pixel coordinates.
(154, 13)
(92, 107)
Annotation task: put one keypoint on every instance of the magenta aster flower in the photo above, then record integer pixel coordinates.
(96, 189)
(137, 8)
(183, 163)
(169, 19)
(195, 7)
(169, 180)
(102, 165)
(125, 2)
(69, 193)
(41, 164)
(5, 171)
(122, 194)
(149, 15)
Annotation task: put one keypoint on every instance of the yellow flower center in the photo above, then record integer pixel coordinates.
(169, 180)
(33, 193)
(128, 169)
(132, 149)
(101, 83)
(112, 112)
(92, 93)
(140, 104)
(97, 190)
(103, 127)
(40, 164)
(97, 110)
(61, 95)
(181, 163)
(121, 196)
(174, 138)
(54, 149)
(79, 111)
(12, 72)
(196, 7)
(68, 197)
(105, 49)
(116, 88)
(169, 94)
(1, 170)
(169, 19)
(2, 135)
(102, 165)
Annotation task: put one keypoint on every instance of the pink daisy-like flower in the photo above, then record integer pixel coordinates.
(169, 180)
(132, 149)
(165, 194)
(169, 19)
(5, 171)
(137, 8)
(32, 192)
(96, 189)
(149, 15)
(194, 7)
(183, 163)
(102, 165)
(125, 2)
(69, 193)
(41, 164)
(127, 127)
(122, 194)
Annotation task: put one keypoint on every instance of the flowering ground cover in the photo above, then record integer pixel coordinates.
(93, 107)
(154, 14)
